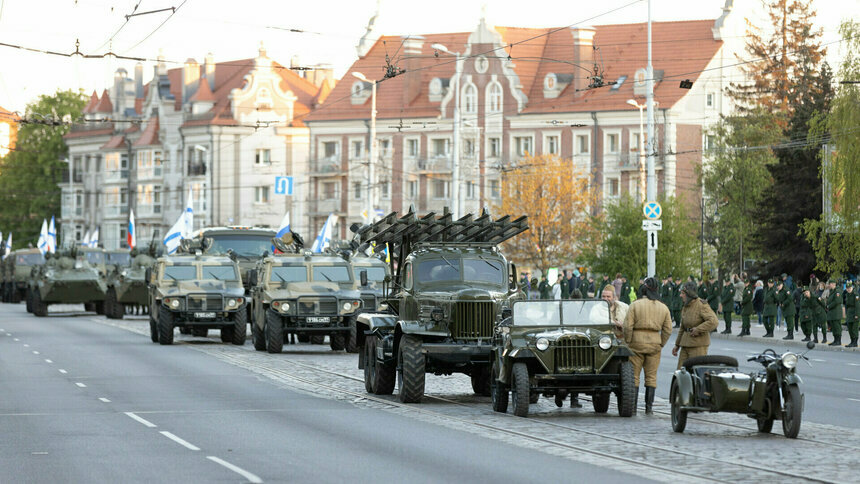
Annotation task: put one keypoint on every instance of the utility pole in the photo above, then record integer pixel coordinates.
(373, 147)
(649, 101)
(455, 178)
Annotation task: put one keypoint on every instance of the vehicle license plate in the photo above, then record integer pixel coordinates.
(204, 315)
(318, 319)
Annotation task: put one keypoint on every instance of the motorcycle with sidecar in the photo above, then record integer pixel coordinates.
(713, 383)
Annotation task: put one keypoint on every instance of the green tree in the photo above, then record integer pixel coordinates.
(30, 174)
(623, 243)
(836, 241)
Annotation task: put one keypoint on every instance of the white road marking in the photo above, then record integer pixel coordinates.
(63, 371)
(35, 352)
(103, 399)
(38, 453)
(238, 470)
(48, 361)
(15, 339)
(26, 345)
(141, 420)
(853, 364)
(854, 400)
(80, 384)
(819, 361)
(851, 379)
(179, 441)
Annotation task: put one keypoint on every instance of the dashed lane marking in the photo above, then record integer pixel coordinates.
(238, 470)
(103, 399)
(63, 371)
(48, 361)
(179, 441)
(141, 420)
(851, 379)
(854, 399)
(35, 352)
(80, 384)
(15, 339)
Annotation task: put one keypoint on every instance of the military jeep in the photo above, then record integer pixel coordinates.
(375, 271)
(196, 293)
(16, 272)
(559, 347)
(450, 288)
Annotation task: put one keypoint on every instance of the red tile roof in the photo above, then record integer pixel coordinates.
(104, 105)
(115, 142)
(149, 137)
(94, 100)
(204, 93)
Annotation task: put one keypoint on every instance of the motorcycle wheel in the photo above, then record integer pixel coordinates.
(791, 411)
(765, 425)
(679, 417)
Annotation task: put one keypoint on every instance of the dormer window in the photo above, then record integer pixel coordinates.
(360, 92)
(438, 87)
(554, 83)
(470, 99)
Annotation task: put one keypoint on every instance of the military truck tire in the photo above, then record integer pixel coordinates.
(481, 381)
(626, 394)
(165, 326)
(226, 334)
(352, 340)
(29, 302)
(90, 307)
(410, 370)
(274, 333)
(317, 339)
(153, 330)
(336, 341)
(378, 378)
(600, 402)
(520, 391)
(240, 327)
(304, 338)
(40, 308)
(258, 337)
(498, 390)
(113, 310)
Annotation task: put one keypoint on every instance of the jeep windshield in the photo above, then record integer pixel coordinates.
(285, 274)
(180, 273)
(29, 259)
(120, 259)
(95, 258)
(468, 269)
(561, 313)
(220, 273)
(331, 273)
(244, 245)
(374, 274)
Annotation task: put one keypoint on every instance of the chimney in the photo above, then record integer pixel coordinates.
(412, 45)
(138, 81)
(190, 77)
(161, 67)
(209, 70)
(118, 88)
(583, 43)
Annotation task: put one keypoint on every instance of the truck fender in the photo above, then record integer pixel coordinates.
(685, 386)
(376, 322)
(622, 351)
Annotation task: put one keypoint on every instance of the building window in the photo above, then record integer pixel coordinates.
(612, 187)
(197, 161)
(413, 189)
(440, 147)
(582, 144)
(523, 145)
(357, 149)
(199, 193)
(116, 166)
(495, 192)
(148, 199)
(710, 142)
(330, 150)
(552, 145)
(261, 195)
(494, 98)
(495, 147)
(709, 100)
(356, 190)
(470, 190)
(385, 147)
(612, 143)
(634, 141)
(470, 99)
(412, 148)
(330, 191)
(469, 147)
(263, 157)
(385, 190)
(440, 189)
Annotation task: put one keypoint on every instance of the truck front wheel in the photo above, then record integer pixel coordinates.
(410, 370)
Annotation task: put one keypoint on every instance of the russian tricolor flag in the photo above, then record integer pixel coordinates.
(131, 237)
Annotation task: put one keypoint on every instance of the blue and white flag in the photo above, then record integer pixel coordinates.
(85, 242)
(189, 214)
(183, 227)
(8, 246)
(284, 228)
(42, 244)
(324, 238)
(94, 238)
(52, 236)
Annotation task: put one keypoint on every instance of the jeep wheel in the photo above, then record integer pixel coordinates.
(317, 339)
(520, 391)
(352, 340)
(30, 301)
(600, 402)
(481, 381)
(679, 417)
(274, 332)
(410, 370)
(40, 308)
(304, 338)
(153, 330)
(240, 327)
(498, 390)
(378, 378)
(258, 337)
(113, 310)
(626, 396)
(165, 326)
(336, 341)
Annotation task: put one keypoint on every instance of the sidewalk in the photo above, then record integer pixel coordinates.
(757, 333)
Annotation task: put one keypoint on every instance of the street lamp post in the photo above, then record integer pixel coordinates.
(455, 178)
(373, 147)
(641, 108)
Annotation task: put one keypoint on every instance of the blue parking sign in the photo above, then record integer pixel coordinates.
(283, 185)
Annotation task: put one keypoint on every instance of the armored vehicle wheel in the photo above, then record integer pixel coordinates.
(226, 334)
(90, 307)
(240, 327)
(40, 308)
(153, 330)
(481, 381)
(352, 340)
(16, 296)
(791, 411)
(199, 332)
(498, 390)
(600, 402)
(317, 339)
(274, 332)
(29, 301)
(336, 341)
(410, 370)
(626, 395)
(304, 338)
(520, 391)
(113, 309)
(679, 417)
(165, 326)
(100, 307)
(378, 378)
(258, 337)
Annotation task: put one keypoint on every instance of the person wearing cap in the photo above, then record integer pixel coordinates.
(786, 303)
(852, 313)
(727, 299)
(769, 312)
(819, 315)
(544, 288)
(714, 292)
(833, 305)
(806, 311)
(625, 290)
(697, 322)
(677, 304)
(647, 329)
(746, 308)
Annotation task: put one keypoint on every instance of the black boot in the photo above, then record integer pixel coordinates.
(852, 344)
(635, 400)
(837, 341)
(790, 336)
(649, 400)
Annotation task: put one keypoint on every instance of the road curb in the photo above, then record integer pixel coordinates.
(778, 339)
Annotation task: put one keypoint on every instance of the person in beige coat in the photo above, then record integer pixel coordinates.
(697, 322)
(647, 328)
(617, 311)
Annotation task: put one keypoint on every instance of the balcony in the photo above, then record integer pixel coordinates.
(196, 169)
(116, 175)
(148, 210)
(438, 164)
(66, 211)
(116, 210)
(627, 160)
(325, 168)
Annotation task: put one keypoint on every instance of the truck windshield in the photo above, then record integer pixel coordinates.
(374, 274)
(284, 274)
(180, 273)
(487, 271)
(29, 259)
(331, 274)
(95, 258)
(561, 313)
(483, 270)
(120, 259)
(221, 273)
(245, 245)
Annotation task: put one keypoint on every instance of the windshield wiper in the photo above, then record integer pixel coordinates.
(452, 265)
(326, 277)
(279, 277)
(489, 263)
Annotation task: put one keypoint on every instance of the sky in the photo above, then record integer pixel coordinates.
(233, 30)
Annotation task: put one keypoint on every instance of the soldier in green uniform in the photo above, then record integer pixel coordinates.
(833, 305)
(565, 285)
(714, 291)
(819, 314)
(806, 313)
(727, 299)
(746, 308)
(769, 313)
(677, 304)
(603, 283)
(702, 289)
(852, 313)
(544, 288)
(786, 304)
(666, 291)
(625, 291)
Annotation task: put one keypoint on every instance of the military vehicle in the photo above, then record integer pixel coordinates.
(302, 293)
(556, 348)
(66, 277)
(248, 244)
(126, 283)
(450, 288)
(16, 272)
(370, 285)
(196, 292)
(117, 259)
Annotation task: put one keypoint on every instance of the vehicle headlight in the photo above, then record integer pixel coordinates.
(605, 342)
(78, 264)
(174, 303)
(231, 303)
(542, 344)
(382, 307)
(123, 273)
(437, 314)
(789, 360)
(347, 306)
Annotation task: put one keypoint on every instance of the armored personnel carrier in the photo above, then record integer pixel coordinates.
(126, 283)
(16, 272)
(66, 278)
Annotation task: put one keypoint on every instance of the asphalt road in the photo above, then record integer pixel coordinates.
(86, 402)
